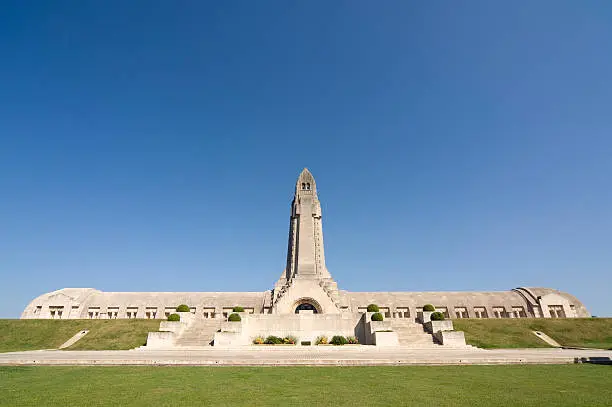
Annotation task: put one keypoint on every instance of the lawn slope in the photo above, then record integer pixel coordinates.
(34, 334)
(517, 333)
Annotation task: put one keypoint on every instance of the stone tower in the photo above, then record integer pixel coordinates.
(305, 253)
(305, 279)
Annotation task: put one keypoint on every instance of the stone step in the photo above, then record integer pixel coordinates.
(199, 341)
(416, 331)
(200, 333)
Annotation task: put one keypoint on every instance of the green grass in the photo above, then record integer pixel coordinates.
(517, 333)
(547, 385)
(33, 334)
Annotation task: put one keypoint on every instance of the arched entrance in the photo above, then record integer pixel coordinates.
(307, 304)
(306, 307)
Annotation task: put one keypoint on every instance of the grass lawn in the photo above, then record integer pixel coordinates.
(517, 333)
(32, 334)
(546, 385)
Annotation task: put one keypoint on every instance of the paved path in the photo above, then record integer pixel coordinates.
(349, 356)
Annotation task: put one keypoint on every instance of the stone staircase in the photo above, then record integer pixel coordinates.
(200, 332)
(412, 334)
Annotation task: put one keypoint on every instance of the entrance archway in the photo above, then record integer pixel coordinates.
(307, 304)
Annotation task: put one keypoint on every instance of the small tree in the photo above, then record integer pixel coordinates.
(373, 308)
(437, 316)
(321, 340)
(377, 317)
(182, 308)
(238, 309)
(234, 318)
(428, 307)
(174, 317)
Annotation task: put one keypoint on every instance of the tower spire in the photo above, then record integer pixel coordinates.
(305, 252)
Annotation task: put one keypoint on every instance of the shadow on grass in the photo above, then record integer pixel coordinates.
(596, 360)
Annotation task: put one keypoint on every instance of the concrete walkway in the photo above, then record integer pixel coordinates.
(288, 356)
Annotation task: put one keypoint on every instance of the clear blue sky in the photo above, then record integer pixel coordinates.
(154, 145)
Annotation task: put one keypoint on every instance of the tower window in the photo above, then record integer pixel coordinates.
(308, 185)
(303, 185)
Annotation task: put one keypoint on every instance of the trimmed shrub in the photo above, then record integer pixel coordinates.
(273, 340)
(259, 340)
(238, 309)
(428, 307)
(290, 340)
(183, 308)
(174, 317)
(338, 340)
(437, 316)
(352, 340)
(321, 340)
(305, 343)
(373, 308)
(234, 318)
(377, 317)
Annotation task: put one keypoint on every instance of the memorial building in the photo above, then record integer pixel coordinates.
(305, 286)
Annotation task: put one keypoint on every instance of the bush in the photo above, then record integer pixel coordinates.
(174, 317)
(182, 308)
(273, 340)
(321, 340)
(428, 307)
(305, 343)
(437, 316)
(352, 340)
(373, 308)
(377, 317)
(234, 318)
(290, 340)
(259, 340)
(338, 340)
(238, 309)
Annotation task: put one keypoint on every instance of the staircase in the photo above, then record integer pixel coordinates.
(411, 334)
(201, 332)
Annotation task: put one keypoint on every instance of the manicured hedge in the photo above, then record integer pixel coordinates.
(437, 316)
(234, 318)
(377, 317)
(428, 307)
(182, 308)
(338, 340)
(238, 309)
(373, 308)
(174, 317)
(273, 340)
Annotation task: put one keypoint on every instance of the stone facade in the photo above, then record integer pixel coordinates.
(305, 285)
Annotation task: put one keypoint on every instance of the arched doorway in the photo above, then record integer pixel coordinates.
(306, 307)
(307, 304)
